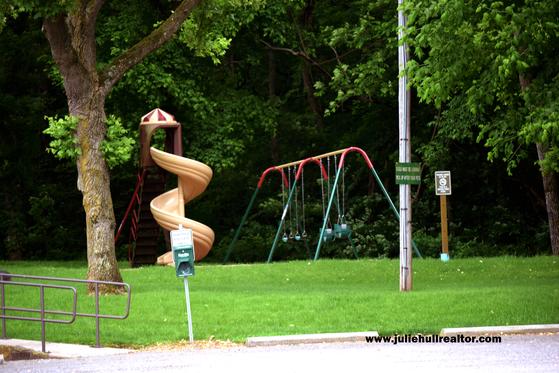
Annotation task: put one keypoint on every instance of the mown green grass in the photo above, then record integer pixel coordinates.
(237, 301)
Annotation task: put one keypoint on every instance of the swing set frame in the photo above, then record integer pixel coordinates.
(300, 164)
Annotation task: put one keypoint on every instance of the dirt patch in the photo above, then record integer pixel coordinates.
(198, 345)
(18, 353)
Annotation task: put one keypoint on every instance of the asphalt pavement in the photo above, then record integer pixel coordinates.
(514, 353)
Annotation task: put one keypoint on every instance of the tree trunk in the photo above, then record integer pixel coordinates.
(72, 41)
(311, 98)
(550, 187)
(272, 76)
(94, 183)
(551, 190)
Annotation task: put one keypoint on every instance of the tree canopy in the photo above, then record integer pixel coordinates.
(258, 83)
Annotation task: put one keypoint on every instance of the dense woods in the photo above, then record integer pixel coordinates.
(257, 83)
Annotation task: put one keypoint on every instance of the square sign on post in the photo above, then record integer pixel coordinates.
(183, 251)
(408, 173)
(442, 183)
(442, 189)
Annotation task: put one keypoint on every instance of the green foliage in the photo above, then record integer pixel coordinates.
(368, 47)
(375, 230)
(255, 109)
(63, 131)
(46, 236)
(40, 9)
(499, 57)
(212, 25)
(542, 122)
(117, 147)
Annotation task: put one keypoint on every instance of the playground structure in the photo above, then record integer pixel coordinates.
(151, 207)
(328, 231)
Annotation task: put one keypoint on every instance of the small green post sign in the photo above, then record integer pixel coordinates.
(408, 173)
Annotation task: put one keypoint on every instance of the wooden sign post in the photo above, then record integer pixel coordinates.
(443, 189)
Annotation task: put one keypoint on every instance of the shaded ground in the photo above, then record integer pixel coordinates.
(17, 353)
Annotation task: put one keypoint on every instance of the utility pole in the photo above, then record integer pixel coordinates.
(404, 152)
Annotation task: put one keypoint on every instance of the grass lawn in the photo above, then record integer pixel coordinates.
(237, 301)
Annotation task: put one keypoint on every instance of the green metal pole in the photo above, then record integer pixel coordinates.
(307, 248)
(353, 247)
(332, 195)
(243, 220)
(282, 221)
(393, 207)
(379, 182)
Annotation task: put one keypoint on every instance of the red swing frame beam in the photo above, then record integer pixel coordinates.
(301, 163)
(360, 151)
(267, 171)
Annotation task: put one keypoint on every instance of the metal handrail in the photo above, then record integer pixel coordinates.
(132, 203)
(41, 310)
(97, 315)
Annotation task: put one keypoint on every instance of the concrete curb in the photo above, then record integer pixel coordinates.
(499, 330)
(64, 350)
(308, 338)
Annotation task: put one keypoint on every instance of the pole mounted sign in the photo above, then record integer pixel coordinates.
(443, 188)
(442, 183)
(183, 255)
(408, 173)
(183, 251)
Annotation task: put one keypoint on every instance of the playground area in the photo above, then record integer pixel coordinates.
(152, 206)
(292, 225)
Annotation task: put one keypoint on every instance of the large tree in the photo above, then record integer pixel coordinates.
(70, 28)
(493, 65)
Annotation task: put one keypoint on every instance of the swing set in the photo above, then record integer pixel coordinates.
(296, 230)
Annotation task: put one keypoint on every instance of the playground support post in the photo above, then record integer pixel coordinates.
(394, 210)
(282, 221)
(243, 220)
(335, 185)
(301, 165)
(327, 214)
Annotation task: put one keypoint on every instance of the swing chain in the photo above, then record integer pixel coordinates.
(337, 192)
(290, 204)
(329, 223)
(283, 206)
(297, 234)
(304, 234)
(343, 195)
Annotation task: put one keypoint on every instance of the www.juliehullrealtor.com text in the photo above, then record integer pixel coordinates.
(433, 338)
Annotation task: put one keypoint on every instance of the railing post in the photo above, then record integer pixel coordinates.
(42, 301)
(3, 306)
(97, 337)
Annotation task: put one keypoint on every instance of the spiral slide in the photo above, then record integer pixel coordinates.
(168, 208)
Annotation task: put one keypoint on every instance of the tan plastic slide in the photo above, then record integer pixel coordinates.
(168, 208)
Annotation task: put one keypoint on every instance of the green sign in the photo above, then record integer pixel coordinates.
(408, 173)
(182, 245)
